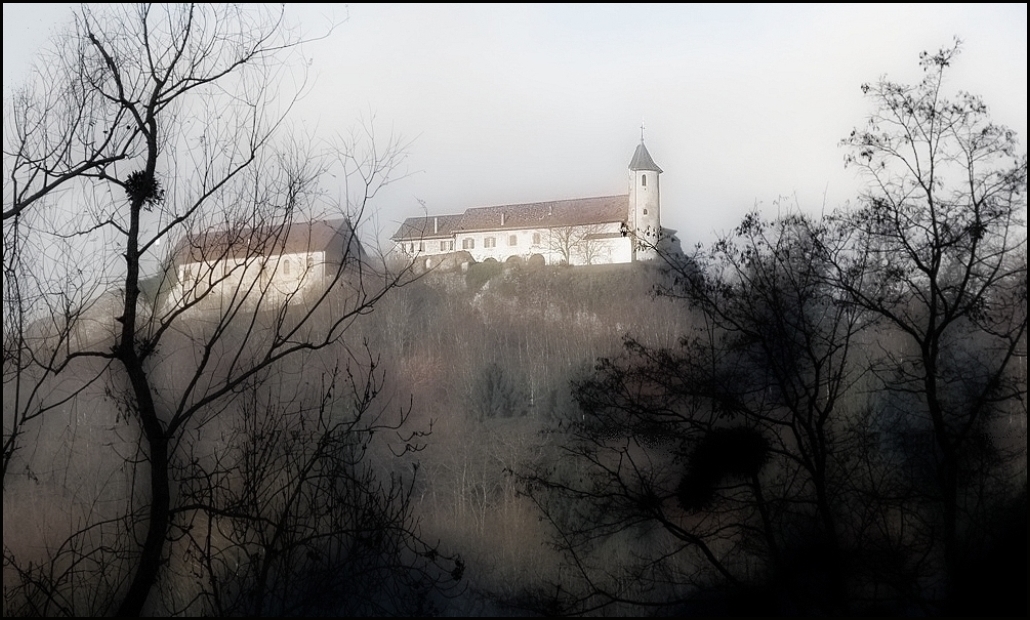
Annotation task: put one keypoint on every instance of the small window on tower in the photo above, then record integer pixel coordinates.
(643, 180)
(645, 211)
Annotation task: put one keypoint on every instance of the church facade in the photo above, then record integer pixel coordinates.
(581, 231)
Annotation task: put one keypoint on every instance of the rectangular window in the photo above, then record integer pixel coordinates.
(443, 246)
(468, 243)
(421, 246)
(489, 242)
(513, 240)
(536, 238)
(450, 246)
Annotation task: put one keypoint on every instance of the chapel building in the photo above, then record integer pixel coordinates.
(581, 231)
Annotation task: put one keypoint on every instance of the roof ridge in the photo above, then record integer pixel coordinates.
(546, 202)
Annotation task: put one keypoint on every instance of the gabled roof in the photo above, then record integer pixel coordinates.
(330, 236)
(428, 227)
(552, 214)
(642, 160)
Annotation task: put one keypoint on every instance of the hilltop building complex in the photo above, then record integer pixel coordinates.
(580, 231)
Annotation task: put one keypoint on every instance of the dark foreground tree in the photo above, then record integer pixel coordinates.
(201, 367)
(725, 455)
(836, 434)
(938, 254)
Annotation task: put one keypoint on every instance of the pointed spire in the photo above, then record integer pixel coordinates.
(641, 158)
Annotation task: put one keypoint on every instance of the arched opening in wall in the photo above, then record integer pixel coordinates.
(513, 261)
(643, 180)
(536, 261)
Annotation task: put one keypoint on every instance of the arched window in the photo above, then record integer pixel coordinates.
(286, 266)
(643, 180)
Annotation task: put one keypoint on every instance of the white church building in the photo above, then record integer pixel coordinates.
(580, 231)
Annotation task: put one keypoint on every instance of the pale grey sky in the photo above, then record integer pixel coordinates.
(505, 104)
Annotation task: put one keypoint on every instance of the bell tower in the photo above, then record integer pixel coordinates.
(644, 219)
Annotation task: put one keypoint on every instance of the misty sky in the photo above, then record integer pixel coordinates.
(507, 104)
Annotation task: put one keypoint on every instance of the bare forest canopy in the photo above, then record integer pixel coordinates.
(808, 416)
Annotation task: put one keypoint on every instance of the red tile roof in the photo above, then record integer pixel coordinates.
(330, 236)
(553, 214)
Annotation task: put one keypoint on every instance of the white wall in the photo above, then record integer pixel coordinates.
(530, 241)
(252, 280)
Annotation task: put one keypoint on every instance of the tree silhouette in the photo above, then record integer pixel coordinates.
(939, 246)
(831, 436)
(167, 134)
(725, 447)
